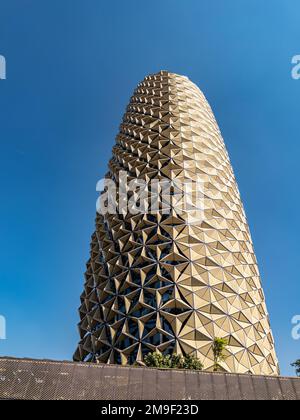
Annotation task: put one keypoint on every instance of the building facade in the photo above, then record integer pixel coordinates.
(174, 279)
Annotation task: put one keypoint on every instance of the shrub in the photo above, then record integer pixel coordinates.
(192, 363)
(159, 360)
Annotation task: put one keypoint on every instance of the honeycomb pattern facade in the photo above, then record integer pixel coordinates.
(159, 282)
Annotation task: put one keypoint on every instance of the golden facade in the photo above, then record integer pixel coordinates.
(161, 281)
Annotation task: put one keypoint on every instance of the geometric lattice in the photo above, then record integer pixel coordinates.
(158, 282)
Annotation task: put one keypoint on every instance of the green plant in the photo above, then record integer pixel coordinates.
(192, 363)
(219, 347)
(297, 366)
(157, 360)
(177, 362)
(161, 361)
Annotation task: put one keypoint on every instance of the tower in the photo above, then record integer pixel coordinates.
(169, 282)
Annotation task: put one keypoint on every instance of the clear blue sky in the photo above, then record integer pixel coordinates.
(72, 66)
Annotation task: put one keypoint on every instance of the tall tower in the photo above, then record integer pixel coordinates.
(159, 281)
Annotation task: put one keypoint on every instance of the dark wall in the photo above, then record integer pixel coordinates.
(35, 380)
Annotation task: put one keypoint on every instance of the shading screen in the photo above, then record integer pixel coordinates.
(174, 281)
